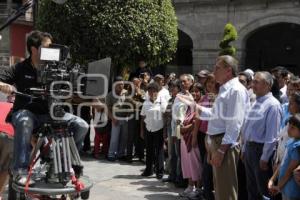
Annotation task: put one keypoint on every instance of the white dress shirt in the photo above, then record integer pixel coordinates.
(153, 113)
(228, 111)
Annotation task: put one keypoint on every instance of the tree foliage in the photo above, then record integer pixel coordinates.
(121, 29)
(230, 34)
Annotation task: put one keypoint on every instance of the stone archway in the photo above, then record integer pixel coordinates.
(248, 30)
(183, 59)
(274, 45)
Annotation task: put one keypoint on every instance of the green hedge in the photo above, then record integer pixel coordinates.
(121, 29)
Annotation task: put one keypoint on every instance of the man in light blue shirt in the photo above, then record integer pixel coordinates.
(260, 131)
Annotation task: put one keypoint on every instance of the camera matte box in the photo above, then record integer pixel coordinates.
(98, 76)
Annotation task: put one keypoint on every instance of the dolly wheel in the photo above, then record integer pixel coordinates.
(85, 195)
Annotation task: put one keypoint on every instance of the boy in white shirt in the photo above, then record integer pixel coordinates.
(152, 116)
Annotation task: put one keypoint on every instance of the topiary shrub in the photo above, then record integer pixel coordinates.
(230, 34)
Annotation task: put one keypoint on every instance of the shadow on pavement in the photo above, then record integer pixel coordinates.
(128, 177)
(155, 186)
(161, 197)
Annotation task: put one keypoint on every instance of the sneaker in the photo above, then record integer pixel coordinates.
(185, 193)
(21, 179)
(194, 194)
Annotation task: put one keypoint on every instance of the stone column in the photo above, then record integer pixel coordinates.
(204, 59)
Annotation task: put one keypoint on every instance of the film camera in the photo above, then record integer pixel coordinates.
(60, 173)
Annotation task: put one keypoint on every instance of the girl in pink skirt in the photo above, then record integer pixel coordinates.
(190, 154)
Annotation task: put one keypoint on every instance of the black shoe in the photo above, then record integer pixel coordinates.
(167, 180)
(180, 184)
(111, 159)
(122, 158)
(141, 160)
(146, 174)
(129, 159)
(159, 176)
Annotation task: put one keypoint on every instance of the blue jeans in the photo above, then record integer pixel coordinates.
(118, 140)
(25, 122)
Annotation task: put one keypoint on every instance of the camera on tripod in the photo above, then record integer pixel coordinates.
(57, 69)
(86, 81)
(58, 80)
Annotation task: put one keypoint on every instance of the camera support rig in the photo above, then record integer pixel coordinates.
(60, 170)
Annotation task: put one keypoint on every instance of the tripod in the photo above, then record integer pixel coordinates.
(61, 173)
(54, 136)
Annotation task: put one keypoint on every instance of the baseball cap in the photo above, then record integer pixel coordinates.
(159, 76)
(203, 73)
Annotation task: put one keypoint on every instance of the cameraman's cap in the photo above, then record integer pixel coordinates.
(203, 73)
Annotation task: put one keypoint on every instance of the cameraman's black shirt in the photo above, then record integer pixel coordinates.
(24, 76)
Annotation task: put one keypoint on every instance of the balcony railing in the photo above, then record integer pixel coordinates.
(5, 11)
(4, 59)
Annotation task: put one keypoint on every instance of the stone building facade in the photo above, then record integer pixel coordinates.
(13, 37)
(268, 31)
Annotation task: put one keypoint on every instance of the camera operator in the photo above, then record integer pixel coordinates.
(26, 115)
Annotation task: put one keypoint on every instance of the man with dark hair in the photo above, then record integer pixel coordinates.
(35, 40)
(245, 79)
(152, 118)
(142, 68)
(281, 74)
(26, 115)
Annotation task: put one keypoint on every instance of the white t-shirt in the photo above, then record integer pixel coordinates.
(163, 93)
(153, 113)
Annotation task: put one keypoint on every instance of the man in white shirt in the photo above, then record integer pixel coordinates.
(225, 121)
(152, 116)
(163, 92)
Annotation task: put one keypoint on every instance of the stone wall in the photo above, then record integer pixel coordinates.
(204, 21)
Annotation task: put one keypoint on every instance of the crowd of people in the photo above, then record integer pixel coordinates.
(223, 134)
